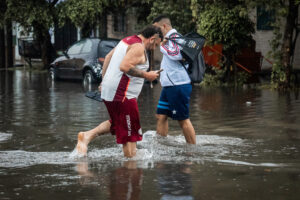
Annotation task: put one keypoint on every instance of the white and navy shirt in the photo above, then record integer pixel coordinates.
(117, 85)
(173, 73)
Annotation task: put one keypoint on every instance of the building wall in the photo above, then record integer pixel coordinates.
(130, 22)
(262, 38)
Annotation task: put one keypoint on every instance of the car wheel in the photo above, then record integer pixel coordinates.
(88, 77)
(52, 74)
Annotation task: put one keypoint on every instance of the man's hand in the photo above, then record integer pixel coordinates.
(151, 75)
(100, 87)
(164, 42)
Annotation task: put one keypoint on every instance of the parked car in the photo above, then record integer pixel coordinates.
(83, 60)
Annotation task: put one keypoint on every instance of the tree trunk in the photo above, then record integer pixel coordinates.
(295, 36)
(48, 52)
(228, 67)
(2, 48)
(9, 46)
(86, 30)
(288, 41)
(103, 25)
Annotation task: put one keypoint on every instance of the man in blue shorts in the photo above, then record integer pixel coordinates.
(176, 85)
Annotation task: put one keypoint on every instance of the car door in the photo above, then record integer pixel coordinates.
(66, 69)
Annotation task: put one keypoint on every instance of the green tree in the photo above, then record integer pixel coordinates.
(179, 12)
(226, 23)
(37, 16)
(85, 14)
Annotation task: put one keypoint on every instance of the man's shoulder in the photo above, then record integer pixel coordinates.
(173, 33)
(137, 47)
(130, 40)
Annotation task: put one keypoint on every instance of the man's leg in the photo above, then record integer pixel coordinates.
(188, 131)
(162, 125)
(84, 138)
(129, 149)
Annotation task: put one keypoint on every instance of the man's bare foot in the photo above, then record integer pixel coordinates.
(82, 144)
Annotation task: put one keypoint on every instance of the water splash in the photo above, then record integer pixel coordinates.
(153, 148)
(5, 136)
(76, 155)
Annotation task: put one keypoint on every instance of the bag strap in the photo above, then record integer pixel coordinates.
(170, 79)
(180, 61)
(174, 38)
(185, 68)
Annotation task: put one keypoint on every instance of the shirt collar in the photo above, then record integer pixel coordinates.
(170, 32)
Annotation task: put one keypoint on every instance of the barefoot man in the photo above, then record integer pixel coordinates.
(124, 71)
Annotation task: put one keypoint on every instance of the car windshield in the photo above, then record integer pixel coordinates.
(75, 49)
(87, 48)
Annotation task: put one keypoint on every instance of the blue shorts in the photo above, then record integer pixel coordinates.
(174, 101)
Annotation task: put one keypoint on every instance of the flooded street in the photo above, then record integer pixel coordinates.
(248, 145)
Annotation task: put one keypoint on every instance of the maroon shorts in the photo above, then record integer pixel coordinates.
(125, 120)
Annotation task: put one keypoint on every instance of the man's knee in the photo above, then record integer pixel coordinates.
(184, 123)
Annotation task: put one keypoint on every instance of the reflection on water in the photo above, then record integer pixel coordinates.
(174, 181)
(125, 181)
(247, 145)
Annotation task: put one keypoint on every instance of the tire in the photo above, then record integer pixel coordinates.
(52, 74)
(88, 77)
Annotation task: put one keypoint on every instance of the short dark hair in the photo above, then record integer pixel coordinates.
(159, 18)
(150, 31)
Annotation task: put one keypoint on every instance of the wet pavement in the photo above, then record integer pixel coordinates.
(248, 144)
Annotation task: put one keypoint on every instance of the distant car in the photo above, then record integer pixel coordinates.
(83, 60)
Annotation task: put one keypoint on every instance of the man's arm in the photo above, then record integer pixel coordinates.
(134, 56)
(171, 49)
(106, 62)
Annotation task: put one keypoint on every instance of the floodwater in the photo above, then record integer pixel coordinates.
(248, 144)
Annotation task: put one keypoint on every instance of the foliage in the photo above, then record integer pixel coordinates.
(242, 78)
(179, 12)
(214, 79)
(227, 23)
(278, 72)
(2, 13)
(36, 16)
(83, 13)
(230, 27)
(34, 13)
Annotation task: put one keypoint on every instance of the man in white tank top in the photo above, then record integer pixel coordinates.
(124, 71)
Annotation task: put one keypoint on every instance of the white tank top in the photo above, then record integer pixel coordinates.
(117, 85)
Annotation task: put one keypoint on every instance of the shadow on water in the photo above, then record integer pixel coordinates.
(247, 145)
